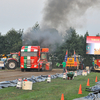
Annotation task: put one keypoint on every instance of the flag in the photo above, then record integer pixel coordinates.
(74, 56)
(75, 63)
(66, 56)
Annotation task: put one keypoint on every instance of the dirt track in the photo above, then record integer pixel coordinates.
(7, 75)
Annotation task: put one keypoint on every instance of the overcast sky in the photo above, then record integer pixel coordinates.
(22, 14)
(92, 22)
(19, 14)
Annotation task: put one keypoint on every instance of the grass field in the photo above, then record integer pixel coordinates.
(51, 91)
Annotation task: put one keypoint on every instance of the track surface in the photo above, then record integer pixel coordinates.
(7, 75)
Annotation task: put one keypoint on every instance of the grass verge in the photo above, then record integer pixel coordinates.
(51, 91)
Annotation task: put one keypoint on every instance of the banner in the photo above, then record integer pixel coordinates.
(93, 45)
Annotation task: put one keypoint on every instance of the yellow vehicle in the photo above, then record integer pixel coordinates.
(3, 56)
(72, 63)
(95, 62)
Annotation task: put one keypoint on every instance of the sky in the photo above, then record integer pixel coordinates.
(23, 14)
(19, 14)
(92, 22)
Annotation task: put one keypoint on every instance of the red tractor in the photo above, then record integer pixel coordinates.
(13, 61)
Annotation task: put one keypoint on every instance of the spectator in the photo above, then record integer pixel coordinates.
(64, 66)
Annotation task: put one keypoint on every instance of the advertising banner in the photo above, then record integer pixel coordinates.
(93, 45)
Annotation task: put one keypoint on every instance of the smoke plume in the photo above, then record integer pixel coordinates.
(62, 14)
(58, 17)
(44, 38)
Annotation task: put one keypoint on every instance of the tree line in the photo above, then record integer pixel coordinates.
(78, 43)
(12, 42)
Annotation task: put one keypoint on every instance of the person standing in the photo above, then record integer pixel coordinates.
(64, 66)
(93, 63)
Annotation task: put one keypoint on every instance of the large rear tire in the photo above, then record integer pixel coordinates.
(12, 64)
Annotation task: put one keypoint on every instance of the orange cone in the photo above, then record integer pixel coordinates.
(62, 97)
(96, 79)
(88, 84)
(80, 90)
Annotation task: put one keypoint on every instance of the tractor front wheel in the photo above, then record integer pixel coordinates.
(12, 64)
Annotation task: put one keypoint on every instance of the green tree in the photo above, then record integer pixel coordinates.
(36, 27)
(86, 57)
(2, 44)
(72, 41)
(28, 37)
(98, 34)
(13, 41)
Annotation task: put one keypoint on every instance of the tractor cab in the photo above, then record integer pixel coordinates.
(44, 54)
(14, 56)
